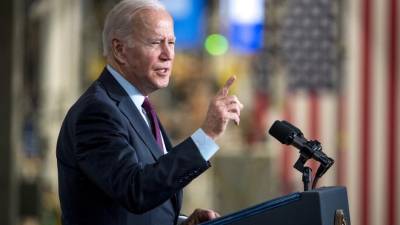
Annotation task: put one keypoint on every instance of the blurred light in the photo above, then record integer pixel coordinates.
(189, 22)
(245, 22)
(246, 12)
(216, 44)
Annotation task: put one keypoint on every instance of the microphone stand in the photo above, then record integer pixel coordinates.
(305, 170)
(307, 173)
(313, 149)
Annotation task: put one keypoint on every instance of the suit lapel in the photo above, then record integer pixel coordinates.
(135, 118)
(127, 107)
(167, 142)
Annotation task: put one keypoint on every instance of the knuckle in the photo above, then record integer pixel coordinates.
(221, 108)
(224, 115)
(238, 108)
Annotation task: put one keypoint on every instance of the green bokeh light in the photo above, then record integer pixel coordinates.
(216, 44)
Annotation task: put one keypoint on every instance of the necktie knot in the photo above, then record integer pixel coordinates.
(147, 106)
(155, 127)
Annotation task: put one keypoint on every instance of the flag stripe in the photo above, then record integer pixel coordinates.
(287, 154)
(341, 141)
(377, 163)
(392, 113)
(314, 120)
(352, 91)
(366, 41)
(301, 119)
(328, 132)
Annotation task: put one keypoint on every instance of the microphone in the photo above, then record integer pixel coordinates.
(288, 134)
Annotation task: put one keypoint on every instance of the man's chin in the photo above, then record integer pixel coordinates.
(162, 83)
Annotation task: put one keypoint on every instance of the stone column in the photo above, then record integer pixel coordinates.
(11, 64)
(59, 76)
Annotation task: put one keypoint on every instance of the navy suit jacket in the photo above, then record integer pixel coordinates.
(110, 168)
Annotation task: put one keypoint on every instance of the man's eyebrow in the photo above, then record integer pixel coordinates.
(157, 37)
(161, 38)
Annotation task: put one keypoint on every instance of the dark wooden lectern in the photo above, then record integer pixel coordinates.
(323, 206)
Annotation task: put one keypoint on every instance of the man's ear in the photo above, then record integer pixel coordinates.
(118, 51)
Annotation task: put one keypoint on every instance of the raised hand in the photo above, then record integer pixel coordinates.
(222, 108)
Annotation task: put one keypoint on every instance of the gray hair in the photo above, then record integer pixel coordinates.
(118, 22)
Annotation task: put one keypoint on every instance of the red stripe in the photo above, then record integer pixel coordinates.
(392, 114)
(287, 155)
(259, 118)
(365, 112)
(314, 123)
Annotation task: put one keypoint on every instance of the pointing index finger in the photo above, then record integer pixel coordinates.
(227, 85)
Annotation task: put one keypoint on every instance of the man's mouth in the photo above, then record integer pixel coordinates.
(162, 70)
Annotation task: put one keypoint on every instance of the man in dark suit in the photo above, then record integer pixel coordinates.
(116, 164)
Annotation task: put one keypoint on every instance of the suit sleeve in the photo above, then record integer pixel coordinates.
(104, 153)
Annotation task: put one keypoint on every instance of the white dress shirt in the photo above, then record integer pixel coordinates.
(204, 143)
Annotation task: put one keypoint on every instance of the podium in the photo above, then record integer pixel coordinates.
(323, 206)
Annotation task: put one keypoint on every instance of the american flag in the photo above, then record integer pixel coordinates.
(309, 38)
(349, 102)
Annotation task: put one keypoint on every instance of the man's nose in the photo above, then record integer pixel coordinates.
(167, 52)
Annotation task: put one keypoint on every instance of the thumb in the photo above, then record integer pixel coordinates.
(225, 89)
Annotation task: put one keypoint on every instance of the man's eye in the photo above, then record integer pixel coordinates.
(155, 42)
(171, 42)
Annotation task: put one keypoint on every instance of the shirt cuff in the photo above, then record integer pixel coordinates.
(205, 144)
(181, 219)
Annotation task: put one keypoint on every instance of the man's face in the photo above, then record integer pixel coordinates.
(150, 55)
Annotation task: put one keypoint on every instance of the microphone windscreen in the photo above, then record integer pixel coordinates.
(294, 129)
(282, 132)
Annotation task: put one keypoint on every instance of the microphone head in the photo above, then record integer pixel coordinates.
(284, 132)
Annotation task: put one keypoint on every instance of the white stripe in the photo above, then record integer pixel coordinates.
(328, 134)
(352, 37)
(301, 112)
(378, 136)
(300, 120)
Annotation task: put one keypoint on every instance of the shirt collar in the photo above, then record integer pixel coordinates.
(133, 92)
